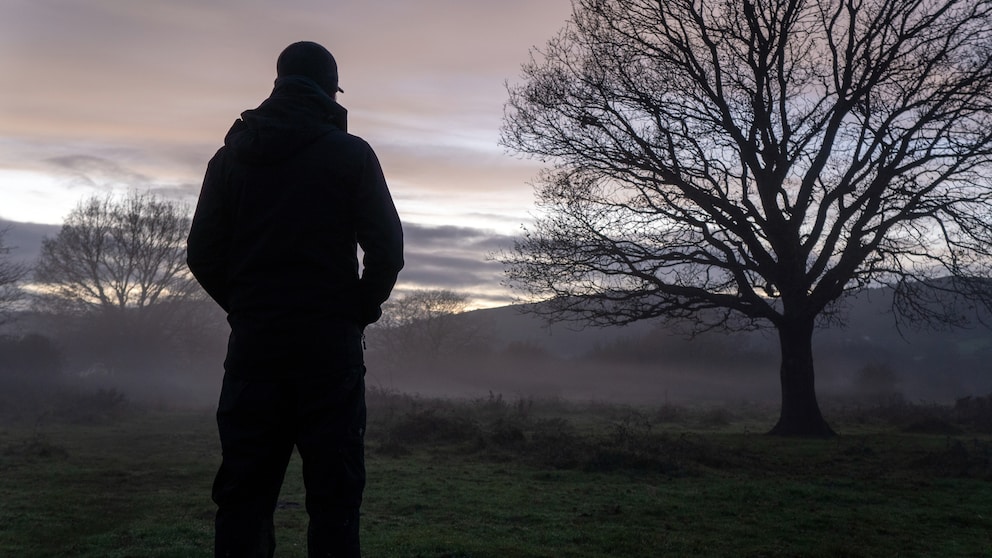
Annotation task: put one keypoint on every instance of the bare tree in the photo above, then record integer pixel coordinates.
(118, 256)
(748, 163)
(11, 273)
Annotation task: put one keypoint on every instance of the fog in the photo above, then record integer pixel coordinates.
(649, 363)
(82, 366)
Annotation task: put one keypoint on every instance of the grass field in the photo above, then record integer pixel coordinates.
(490, 478)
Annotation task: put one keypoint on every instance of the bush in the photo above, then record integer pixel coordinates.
(103, 405)
(598, 437)
(716, 417)
(975, 412)
(37, 447)
(555, 443)
(507, 433)
(433, 426)
(670, 413)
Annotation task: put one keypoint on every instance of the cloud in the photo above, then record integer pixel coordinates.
(183, 69)
(24, 239)
(462, 168)
(140, 94)
(454, 258)
(457, 238)
(97, 172)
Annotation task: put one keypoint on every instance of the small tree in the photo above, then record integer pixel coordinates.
(116, 276)
(117, 256)
(748, 163)
(11, 273)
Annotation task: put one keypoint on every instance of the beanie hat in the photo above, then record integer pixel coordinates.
(311, 60)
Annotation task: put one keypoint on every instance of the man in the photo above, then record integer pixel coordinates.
(284, 205)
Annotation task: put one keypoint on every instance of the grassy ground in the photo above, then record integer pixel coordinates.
(523, 479)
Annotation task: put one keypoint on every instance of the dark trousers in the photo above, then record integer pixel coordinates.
(260, 420)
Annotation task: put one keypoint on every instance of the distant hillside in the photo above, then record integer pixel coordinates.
(504, 351)
(648, 361)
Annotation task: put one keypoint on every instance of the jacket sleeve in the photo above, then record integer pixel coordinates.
(210, 234)
(380, 235)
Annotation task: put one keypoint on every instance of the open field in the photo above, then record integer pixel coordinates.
(492, 478)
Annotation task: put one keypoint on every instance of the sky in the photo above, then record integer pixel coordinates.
(108, 95)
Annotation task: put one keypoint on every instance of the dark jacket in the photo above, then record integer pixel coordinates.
(284, 205)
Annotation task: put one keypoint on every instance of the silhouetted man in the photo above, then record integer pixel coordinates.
(284, 205)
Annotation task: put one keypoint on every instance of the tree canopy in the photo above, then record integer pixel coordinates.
(747, 163)
(117, 255)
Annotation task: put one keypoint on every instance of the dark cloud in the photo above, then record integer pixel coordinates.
(24, 239)
(97, 172)
(450, 271)
(459, 275)
(455, 238)
(456, 258)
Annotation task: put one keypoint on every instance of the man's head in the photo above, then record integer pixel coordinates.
(311, 60)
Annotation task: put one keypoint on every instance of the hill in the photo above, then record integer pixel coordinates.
(514, 354)
(867, 358)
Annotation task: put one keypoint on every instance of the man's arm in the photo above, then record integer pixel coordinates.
(209, 236)
(380, 235)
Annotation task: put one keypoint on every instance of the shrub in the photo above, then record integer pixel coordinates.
(433, 426)
(37, 447)
(507, 433)
(975, 412)
(103, 405)
(555, 443)
(670, 413)
(716, 417)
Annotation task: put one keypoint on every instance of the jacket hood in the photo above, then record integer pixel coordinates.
(296, 113)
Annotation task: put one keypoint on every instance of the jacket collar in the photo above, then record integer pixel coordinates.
(307, 96)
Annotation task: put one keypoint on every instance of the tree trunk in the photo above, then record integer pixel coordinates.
(800, 414)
